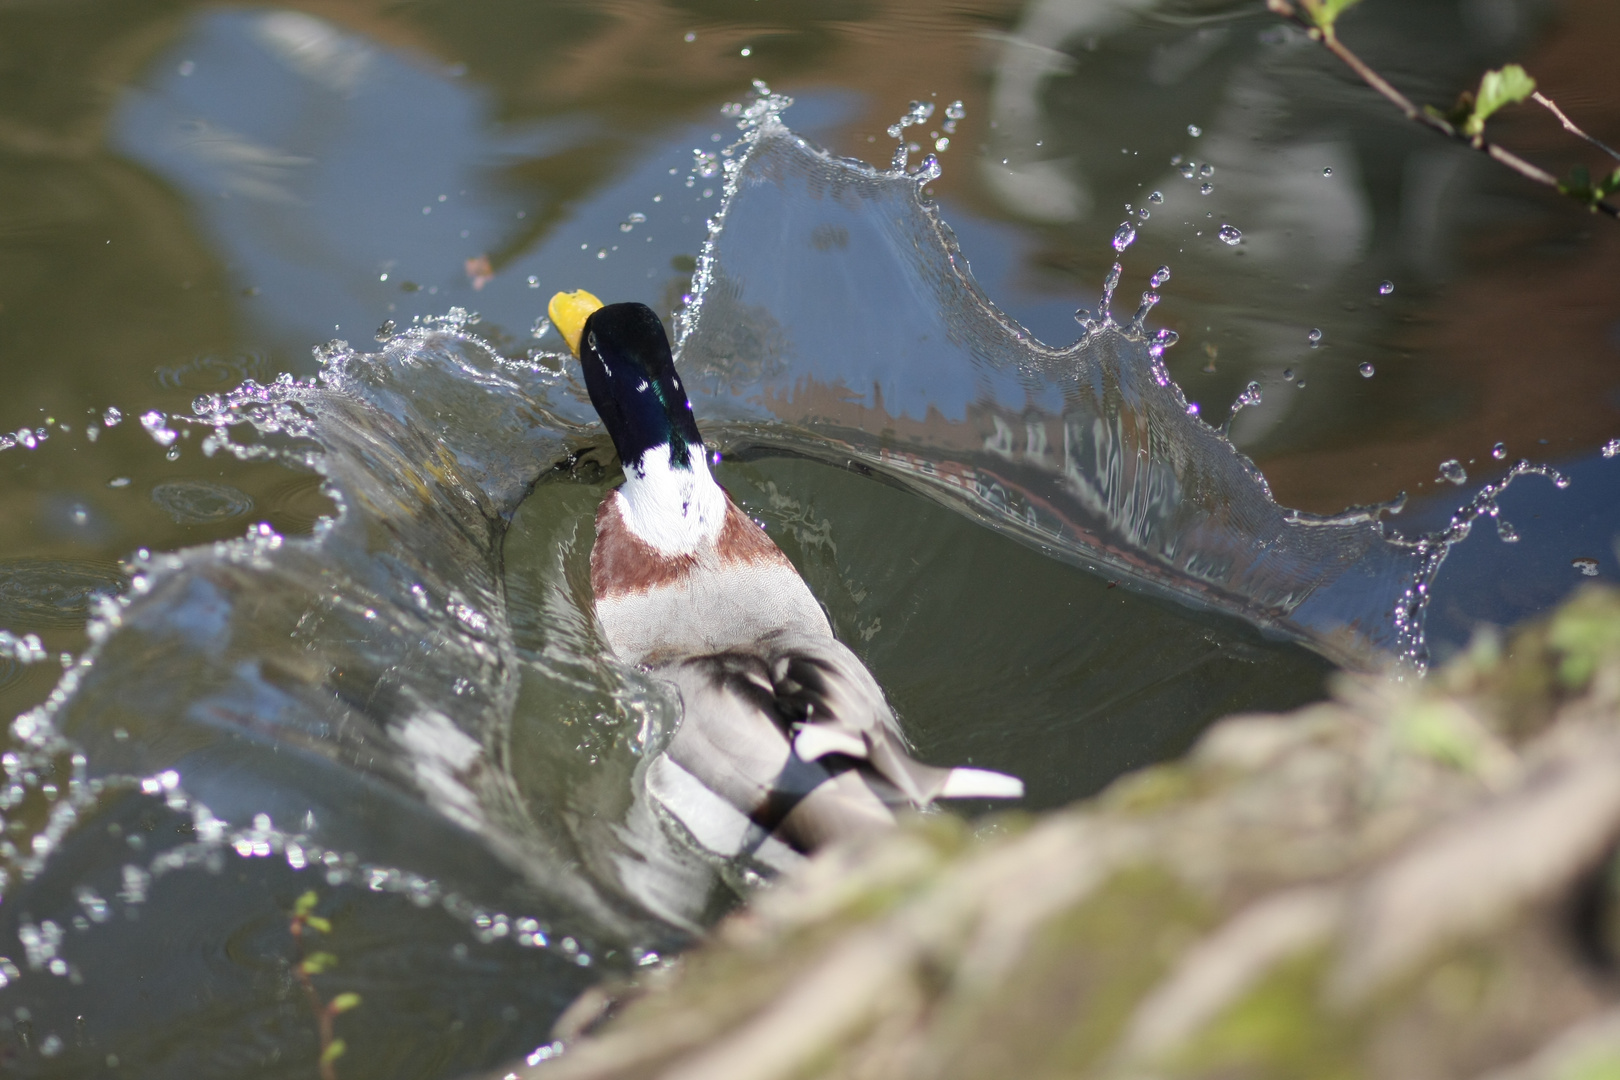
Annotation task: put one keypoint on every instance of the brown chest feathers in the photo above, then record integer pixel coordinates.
(622, 563)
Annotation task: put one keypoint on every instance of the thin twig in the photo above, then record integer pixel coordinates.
(323, 1013)
(1569, 125)
(1421, 116)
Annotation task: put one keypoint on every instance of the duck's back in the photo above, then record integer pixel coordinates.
(656, 608)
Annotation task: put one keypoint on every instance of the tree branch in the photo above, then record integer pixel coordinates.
(1529, 171)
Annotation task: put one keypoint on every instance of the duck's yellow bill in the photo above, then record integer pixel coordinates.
(568, 311)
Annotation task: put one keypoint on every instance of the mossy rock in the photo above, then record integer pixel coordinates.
(1414, 879)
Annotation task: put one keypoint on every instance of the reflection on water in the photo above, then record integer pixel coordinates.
(53, 592)
(196, 502)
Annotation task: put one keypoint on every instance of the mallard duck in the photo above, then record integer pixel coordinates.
(785, 735)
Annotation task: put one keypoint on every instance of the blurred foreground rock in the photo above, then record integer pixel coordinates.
(1415, 879)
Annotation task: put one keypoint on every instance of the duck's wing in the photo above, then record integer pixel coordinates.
(834, 706)
(793, 741)
(731, 777)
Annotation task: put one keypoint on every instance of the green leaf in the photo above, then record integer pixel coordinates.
(1580, 186)
(1506, 86)
(316, 922)
(1608, 187)
(305, 904)
(1324, 13)
(344, 1002)
(333, 1051)
(315, 963)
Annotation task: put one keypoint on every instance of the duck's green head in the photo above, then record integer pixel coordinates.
(630, 375)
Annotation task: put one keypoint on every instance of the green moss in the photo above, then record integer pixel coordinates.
(1433, 729)
(1062, 1007)
(1278, 1031)
(1161, 787)
(1586, 632)
(1600, 1065)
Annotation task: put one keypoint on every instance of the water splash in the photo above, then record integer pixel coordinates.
(1107, 476)
(1250, 396)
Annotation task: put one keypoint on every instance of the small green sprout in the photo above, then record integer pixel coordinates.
(1581, 186)
(1324, 13)
(1505, 86)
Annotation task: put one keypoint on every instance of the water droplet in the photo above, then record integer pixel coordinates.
(1366, 370)
(601, 253)
(1189, 170)
(1300, 384)
(747, 52)
(942, 144)
(1206, 172)
(1386, 288)
(386, 330)
(1505, 531)
(1110, 283)
(1194, 130)
(1452, 470)
(1156, 198)
(1499, 451)
(1205, 189)
(541, 327)
(1176, 160)
(1162, 275)
(1314, 337)
(928, 169)
(625, 226)
(1560, 482)
(534, 282)
(955, 110)
(1229, 234)
(1288, 374)
(1124, 236)
(690, 37)
(1143, 213)
(1587, 567)
(1611, 448)
(1327, 171)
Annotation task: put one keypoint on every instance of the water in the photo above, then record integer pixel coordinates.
(253, 719)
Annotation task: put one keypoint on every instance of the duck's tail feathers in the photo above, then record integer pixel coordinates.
(922, 784)
(980, 784)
